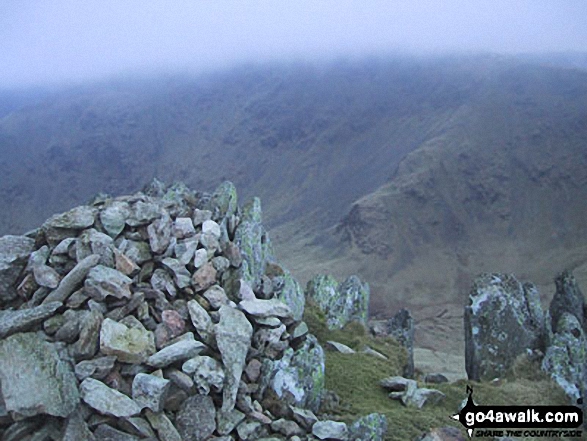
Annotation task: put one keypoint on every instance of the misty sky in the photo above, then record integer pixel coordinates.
(71, 40)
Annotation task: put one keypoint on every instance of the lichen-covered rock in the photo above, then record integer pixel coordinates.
(14, 253)
(129, 344)
(233, 337)
(224, 200)
(342, 303)
(371, 427)
(568, 298)
(289, 291)
(566, 358)
(502, 321)
(298, 377)
(254, 244)
(34, 378)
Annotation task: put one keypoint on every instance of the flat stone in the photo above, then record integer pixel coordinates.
(106, 400)
(330, 430)
(374, 353)
(130, 345)
(143, 213)
(206, 372)
(266, 308)
(304, 417)
(339, 347)
(46, 276)
(204, 277)
(20, 320)
(163, 426)
(395, 384)
(77, 218)
(114, 217)
(179, 351)
(73, 279)
(109, 433)
(97, 368)
(34, 378)
(233, 337)
(102, 282)
(150, 391)
(287, 428)
(196, 419)
(216, 297)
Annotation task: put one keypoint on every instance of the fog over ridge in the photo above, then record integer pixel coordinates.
(66, 40)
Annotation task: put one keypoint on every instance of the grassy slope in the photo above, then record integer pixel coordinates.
(355, 378)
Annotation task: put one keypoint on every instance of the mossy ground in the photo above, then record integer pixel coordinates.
(355, 378)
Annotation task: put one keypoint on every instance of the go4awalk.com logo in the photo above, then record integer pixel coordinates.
(522, 421)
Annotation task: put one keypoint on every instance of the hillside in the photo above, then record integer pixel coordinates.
(420, 173)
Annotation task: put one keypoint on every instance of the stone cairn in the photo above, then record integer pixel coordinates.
(161, 316)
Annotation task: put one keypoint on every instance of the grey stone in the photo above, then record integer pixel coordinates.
(370, 351)
(401, 327)
(566, 358)
(76, 428)
(233, 337)
(160, 233)
(183, 227)
(395, 384)
(304, 417)
(97, 368)
(435, 378)
(137, 251)
(250, 430)
(216, 296)
(330, 430)
(206, 372)
(46, 276)
(128, 344)
(287, 428)
(339, 347)
(70, 330)
(179, 351)
(220, 263)
(89, 337)
(106, 400)
(162, 281)
(211, 227)
(196, 419)
(12, 322)
(180, 273)
(200, 257)
(73, 279)
(342, 303)
(567, 298)
(204, 277)
(266, 308)
(224, 200)
(163, 426)
(143, 213)
(291, 293)
(77, 218)
(114, 217)
(502, 321)
(150, 391)
(227, 421)
(34, 378)
(108, 433)
(102, 282)
(92, 241)
(200, 216)
(14, 254)
(298, 377)
(268, 341)
(186, 249)
(201, 320)
(371, 427)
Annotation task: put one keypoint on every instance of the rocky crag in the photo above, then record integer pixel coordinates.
(163, 316)
(505, 321)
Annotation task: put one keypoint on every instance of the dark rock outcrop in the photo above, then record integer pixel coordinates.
(502, 321)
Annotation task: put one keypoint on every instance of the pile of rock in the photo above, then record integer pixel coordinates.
(164, 316)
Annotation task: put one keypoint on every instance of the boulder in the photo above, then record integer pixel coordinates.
(341, 303)
(14, 254)
(502, 321)
(371, 427)
(35, 380)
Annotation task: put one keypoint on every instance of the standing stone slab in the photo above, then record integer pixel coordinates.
(14, 253)
(401, 327)
(106, 400)
(34, 379)
(503, 320)
(233, 337)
